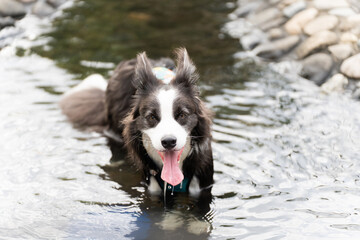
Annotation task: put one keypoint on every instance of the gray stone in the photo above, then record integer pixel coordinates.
(265, 16)
(350, 67)
(56, 3)
(294, 8)
(317, 67)
(325, 22)
(336, 83)
(6, 21)
(342, 12)
(42, 9)
(247, 8)
(275, 33)
(296, 23)
(252, 39)
(277, 48)
(330, 4)
(272, 23)
(341, 51)
(11, 8)
(316, 41)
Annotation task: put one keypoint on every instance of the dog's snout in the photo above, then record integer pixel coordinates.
(168, 142)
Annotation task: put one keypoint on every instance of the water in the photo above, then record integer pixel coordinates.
(286, 155)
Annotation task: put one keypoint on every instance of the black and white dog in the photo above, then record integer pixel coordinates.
(154, 111)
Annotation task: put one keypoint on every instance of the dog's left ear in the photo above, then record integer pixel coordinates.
(186, 74)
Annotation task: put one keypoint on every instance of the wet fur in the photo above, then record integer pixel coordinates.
(118, 110)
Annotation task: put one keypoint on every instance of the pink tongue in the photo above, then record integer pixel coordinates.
(171, 172)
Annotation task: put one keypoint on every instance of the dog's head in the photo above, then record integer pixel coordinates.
(169, 116)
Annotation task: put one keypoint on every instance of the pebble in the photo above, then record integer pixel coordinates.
(252, 39)
(350, 22)
(56, 3)
(275, 33)
(247, 8)
(336, 83)
(277, 48)
(325, 22)
(316, 41)
(342, 12)
(6, 21)
(330, 4)
(273, 23)
(294, 8)
(11, 8)
(265, 16)
(42, 9)
(341, 51)
(350, 67)
(296, 23)
(348, 38)
(317, 67)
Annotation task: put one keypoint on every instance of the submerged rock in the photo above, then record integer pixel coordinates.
(341, 51)
(317, 67)
(325, 22)
(42, 9)
(295, 24)
(277, 48)
(11, 8)
(336, 83)
(316, 41)
(351, 67)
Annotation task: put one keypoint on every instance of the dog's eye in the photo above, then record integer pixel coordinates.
(181, 115)
(151, 117)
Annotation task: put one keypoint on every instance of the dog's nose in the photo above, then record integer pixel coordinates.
(168, 142)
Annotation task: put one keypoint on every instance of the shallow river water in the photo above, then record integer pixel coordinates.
(287, 157)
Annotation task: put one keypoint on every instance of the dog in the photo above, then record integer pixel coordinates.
(151, 109)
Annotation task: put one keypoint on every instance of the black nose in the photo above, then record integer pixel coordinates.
(168, 142)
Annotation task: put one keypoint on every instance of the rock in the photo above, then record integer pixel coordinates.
(316, 41)
(247, 8)
(350, 22)
(348, 38)
(27, 1)
(330, 4)
(294, 8)
(341, 51)
(56, 3)
(275, 33)
(350, 67)
(336, 83)
(342, 12)
(317, 67)
(277, 48)
(325, 22)
(296, 23)
(11, 8)
(273, 23)
(42, 9)
(6, 21)
(251, 40)
(265, 16)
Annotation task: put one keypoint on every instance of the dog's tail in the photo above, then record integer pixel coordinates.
(84, 105)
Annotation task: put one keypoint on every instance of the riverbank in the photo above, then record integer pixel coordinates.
(321, 37)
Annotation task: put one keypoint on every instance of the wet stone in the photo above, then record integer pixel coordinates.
(56, 3)
(6, 21)
(11, 8)
(296, 23)
(251, 40)
(350, 67)
(325, 22)
(336, 83)
(265, 16)
(277, 48)
(294, 8)
(316, 41)
(341, 51)
(330, 4)
(42, 9)
(317, 68)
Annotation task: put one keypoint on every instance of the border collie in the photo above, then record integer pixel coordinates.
(153, 110)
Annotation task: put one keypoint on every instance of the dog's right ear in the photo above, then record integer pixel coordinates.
(144, 76)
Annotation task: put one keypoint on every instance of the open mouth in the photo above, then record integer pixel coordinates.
(171, 172)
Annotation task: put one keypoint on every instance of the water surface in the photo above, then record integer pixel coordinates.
(286, 156)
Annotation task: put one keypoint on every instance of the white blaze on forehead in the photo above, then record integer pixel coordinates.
(167, 126)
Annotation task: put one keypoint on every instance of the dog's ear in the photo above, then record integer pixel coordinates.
(186, 74)
(144, 76)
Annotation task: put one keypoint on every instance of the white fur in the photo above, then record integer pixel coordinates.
(194, 187)
(92, 81)
(154, 187)
(167, 126)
